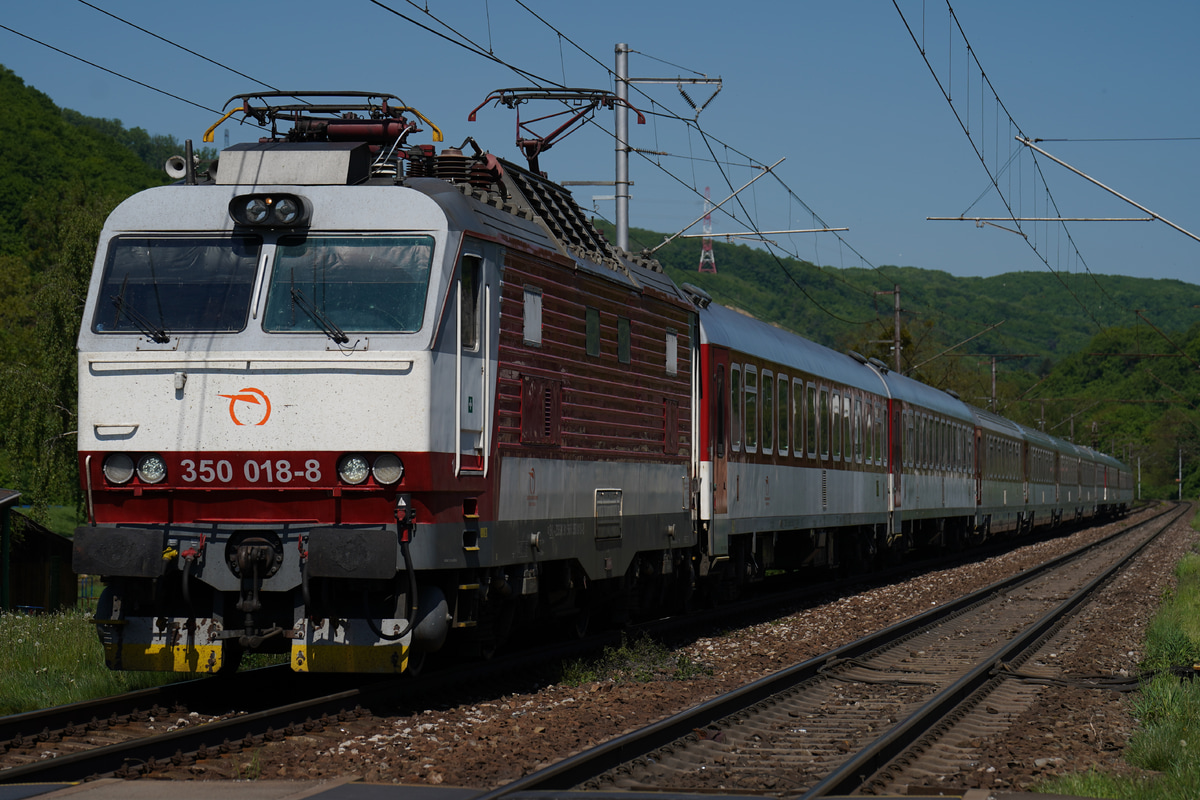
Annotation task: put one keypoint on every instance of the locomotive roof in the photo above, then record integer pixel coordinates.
(357, 137)
(504, 198)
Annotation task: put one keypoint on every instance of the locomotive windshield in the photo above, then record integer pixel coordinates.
(160, 285)
(349, 283)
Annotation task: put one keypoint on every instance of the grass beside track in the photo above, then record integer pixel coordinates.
(1167, 707)
(53, 659)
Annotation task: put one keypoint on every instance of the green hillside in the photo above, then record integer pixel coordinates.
(1047, 315)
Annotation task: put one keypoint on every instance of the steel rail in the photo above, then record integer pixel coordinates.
(38, 724)
(117, 757)
(855, 772)
(575, 770)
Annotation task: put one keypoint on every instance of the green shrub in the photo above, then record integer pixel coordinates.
(640, 661)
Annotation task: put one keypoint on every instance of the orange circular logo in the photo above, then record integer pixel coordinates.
(253, 397)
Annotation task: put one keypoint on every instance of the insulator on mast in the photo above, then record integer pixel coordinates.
(706, 248)
(686, 97)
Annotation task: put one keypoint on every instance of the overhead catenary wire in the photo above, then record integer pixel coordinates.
(114, 73)
(178, 45)
(945, 89)
(466, 43)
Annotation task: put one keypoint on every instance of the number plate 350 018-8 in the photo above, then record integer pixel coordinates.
(251, 470)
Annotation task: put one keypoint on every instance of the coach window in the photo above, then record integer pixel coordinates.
(941, 443)
(835, 426)
(672, 352)
(938, 429)
(847, 428)
(735, 404)
(624, 335)
(906, 435)
(823, 429)
(943, 450)
(798, 406)
(533, 316)
(931, 452)
(812, 431)
(926, 435)
(858, 431)
(592, 323)
(919, 440)
(869, 429)
(768, 404)
(782, 406)
(750, 377)
(881, 422)
(935, 438)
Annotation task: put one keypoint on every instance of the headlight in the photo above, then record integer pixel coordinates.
(152, 469)
(257, 211)
(388, 469)
(270, 210)
(118, 468)
(287, 211)
(353, 469)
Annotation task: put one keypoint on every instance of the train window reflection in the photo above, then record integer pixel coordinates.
(163, 285)
(357, 283)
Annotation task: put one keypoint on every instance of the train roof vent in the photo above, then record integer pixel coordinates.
(558, 209)
(879, 365)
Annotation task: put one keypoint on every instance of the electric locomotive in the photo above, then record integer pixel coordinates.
(348, 398)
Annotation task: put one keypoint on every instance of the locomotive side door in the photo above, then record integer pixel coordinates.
(472, 380)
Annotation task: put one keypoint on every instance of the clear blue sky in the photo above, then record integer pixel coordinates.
(838, 88)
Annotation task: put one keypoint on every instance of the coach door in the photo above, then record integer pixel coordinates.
(897, 434)
(473, 300)
(718, 403)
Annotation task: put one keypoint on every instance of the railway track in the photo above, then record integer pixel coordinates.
(126, 734)
(862, 714)
(131, 734)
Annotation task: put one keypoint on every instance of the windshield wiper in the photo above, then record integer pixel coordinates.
(143, 324)
(327, 326)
